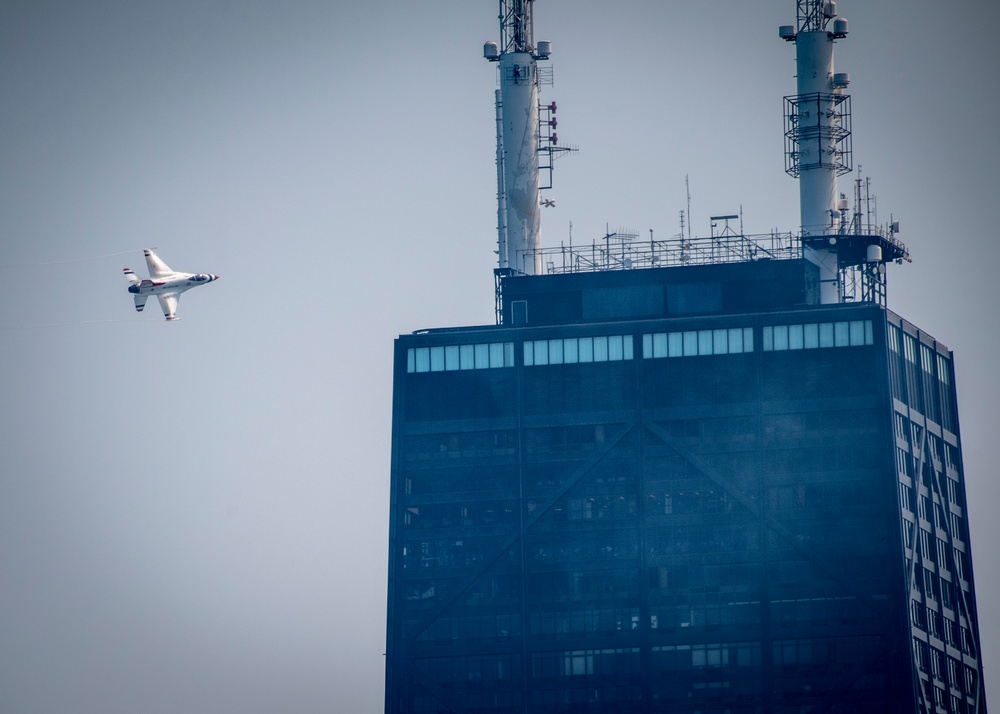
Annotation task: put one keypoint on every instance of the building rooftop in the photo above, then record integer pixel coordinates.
(622, 277)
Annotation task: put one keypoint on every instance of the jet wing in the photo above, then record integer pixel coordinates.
(168, 301)
(157, 268)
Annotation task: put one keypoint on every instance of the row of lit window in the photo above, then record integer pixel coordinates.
(605, 662)
(606, 620)
(723, 654)
(698, 342)
(451, 358)
(574, 350)
(615, 348)
(815, 335)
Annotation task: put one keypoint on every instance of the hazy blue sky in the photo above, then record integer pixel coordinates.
(193, 516)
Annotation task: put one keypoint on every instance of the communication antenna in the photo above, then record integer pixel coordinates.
(818, 133)
(518, 136)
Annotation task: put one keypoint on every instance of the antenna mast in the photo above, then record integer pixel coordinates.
(687, 187)
(817, 133)
(518, 137)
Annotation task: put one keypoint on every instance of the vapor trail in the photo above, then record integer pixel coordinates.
(14, 266)
(70, 324)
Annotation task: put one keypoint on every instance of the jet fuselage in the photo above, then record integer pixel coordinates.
(178, 284)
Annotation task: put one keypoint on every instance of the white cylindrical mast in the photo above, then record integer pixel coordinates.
(519, 99)
(517, 139)
(818, 175)
(817, 125)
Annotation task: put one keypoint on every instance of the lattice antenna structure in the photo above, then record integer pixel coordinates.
(516, 26)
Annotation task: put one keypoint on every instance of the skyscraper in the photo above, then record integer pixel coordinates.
(698, 475)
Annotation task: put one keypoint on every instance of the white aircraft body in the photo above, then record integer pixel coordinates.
(166, 284)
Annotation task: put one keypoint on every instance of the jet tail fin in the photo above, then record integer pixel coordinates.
(140, 302)
(132, 278)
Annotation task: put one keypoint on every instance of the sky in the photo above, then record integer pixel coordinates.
(194, 515)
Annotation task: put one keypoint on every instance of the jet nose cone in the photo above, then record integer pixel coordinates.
(215, 277)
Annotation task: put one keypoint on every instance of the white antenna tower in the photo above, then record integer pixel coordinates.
(817, 134)
(518, 137)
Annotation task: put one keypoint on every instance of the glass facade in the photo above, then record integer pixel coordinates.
(775, 525)
(943, 622)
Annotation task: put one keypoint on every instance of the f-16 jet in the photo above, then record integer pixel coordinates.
(166, 284)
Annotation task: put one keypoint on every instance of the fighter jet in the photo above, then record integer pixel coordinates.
(166, 284)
